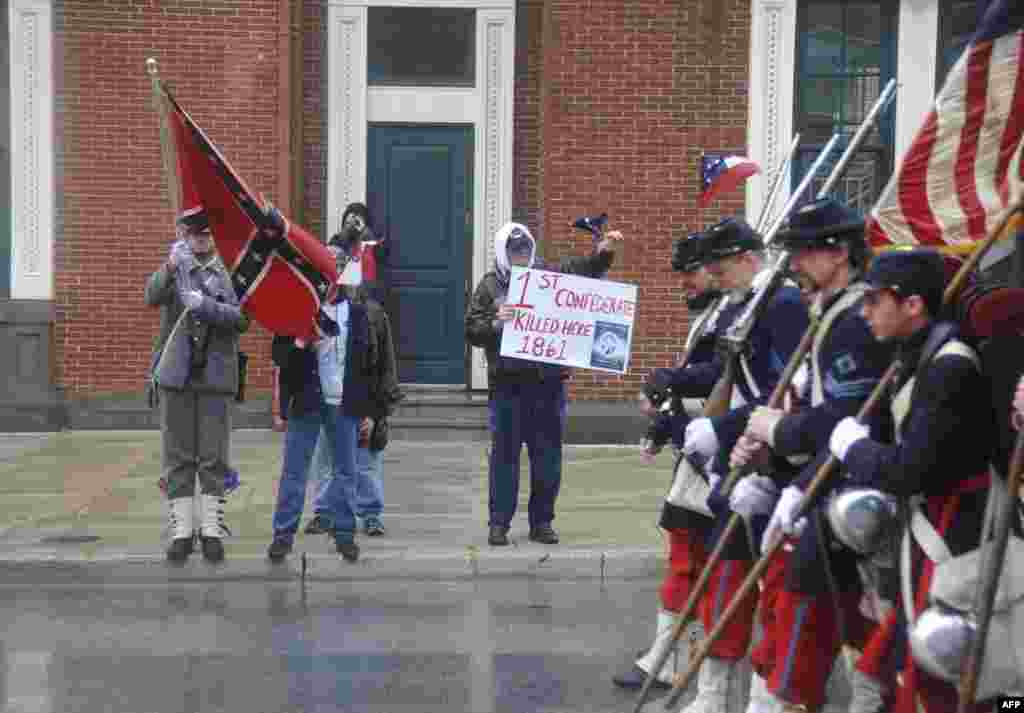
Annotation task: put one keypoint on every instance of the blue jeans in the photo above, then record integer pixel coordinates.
(299, 442)
(533, 414)
(369, 498)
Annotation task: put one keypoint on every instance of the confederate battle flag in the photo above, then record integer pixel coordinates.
(280, 272)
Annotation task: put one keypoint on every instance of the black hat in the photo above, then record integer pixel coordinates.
(359, 209)
(688, 253)
(820, 223)
(910, 272)
(730, 237)
(592, 224)
(195, 220)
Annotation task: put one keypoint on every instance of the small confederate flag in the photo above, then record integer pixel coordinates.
(723, 174)
(280, 272)
(956, 177)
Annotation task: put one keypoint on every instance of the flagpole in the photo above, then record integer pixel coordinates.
(166, 147)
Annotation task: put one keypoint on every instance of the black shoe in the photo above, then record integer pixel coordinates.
(544, 534)
(316, 526)
(278, 549)
(213, 549)
(373, 527)
(498, 536)
(180, 549)
(348, 550)
(635, 678)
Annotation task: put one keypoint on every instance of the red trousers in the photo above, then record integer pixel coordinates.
(801, 637)
(686, 559)
(726, 578)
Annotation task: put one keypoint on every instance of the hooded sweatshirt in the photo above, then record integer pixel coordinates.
(484, 330)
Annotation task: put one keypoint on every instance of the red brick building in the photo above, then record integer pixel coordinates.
(448, 117)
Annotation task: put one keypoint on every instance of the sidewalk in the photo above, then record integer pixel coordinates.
(87, 502)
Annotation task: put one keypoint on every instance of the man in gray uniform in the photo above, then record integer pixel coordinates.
(195, 371)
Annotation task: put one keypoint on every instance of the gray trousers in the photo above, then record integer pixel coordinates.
(196, 434)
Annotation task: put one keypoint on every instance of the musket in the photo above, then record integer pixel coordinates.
(778, 394)
(824, 473)
(722, 301)
(718, 404)
(735, 338)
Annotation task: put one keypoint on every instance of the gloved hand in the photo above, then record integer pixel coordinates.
(180, 254)
(762, 422)
(192, 299)
(845, 434)
(781, 521)
(700, 438)
(753, 495)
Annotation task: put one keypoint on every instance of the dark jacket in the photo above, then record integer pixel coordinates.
(384, 390)
(300, 372)
(484, 331)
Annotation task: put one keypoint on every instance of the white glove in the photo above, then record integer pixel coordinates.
(713, 478)
(192, 299)
(801, 380)
(782, 518)
(180, 253)
(845, 434)
(700, 438)
(753, 495)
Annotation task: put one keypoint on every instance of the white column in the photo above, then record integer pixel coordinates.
(32, 184)
(495, 31)
(918, 47)
(772, 69)
(346, 110)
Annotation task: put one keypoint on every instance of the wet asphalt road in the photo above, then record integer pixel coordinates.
(501, 646)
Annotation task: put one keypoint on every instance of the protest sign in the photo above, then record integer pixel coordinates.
(569, 320)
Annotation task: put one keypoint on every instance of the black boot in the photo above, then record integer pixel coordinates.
(180, 549)
(498, 536)
(213, 549)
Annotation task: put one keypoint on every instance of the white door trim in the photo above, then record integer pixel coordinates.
(488, 106)
(30, 24)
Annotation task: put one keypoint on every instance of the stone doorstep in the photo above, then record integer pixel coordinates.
(551, 563)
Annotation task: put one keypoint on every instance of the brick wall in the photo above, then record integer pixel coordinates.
(630, 95)
(614, 104)
(114, 222)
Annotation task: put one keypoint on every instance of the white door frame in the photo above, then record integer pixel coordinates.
(772, 77)
(352, 104)
(30, 24)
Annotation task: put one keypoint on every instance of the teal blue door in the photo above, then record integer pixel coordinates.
(419, 191)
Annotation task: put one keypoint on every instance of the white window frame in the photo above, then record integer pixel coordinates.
(30, 24)
(772, 79)
(488, 106)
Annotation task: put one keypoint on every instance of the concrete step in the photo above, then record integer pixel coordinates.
(424, 415)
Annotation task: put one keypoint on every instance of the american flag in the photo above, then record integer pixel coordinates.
(955, 178)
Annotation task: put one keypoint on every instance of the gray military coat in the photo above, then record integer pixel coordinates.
(214, 327)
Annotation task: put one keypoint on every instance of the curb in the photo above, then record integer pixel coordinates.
(301, 566)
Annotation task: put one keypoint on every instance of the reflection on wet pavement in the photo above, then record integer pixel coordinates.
(513, 646)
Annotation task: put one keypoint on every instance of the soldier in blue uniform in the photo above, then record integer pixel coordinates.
(685, 528)
(944, 429)
(793, 660)
(735, 258)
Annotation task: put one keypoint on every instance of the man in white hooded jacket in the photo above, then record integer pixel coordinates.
(527, 399)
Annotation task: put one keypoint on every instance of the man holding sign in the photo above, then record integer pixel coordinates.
(527, 392)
